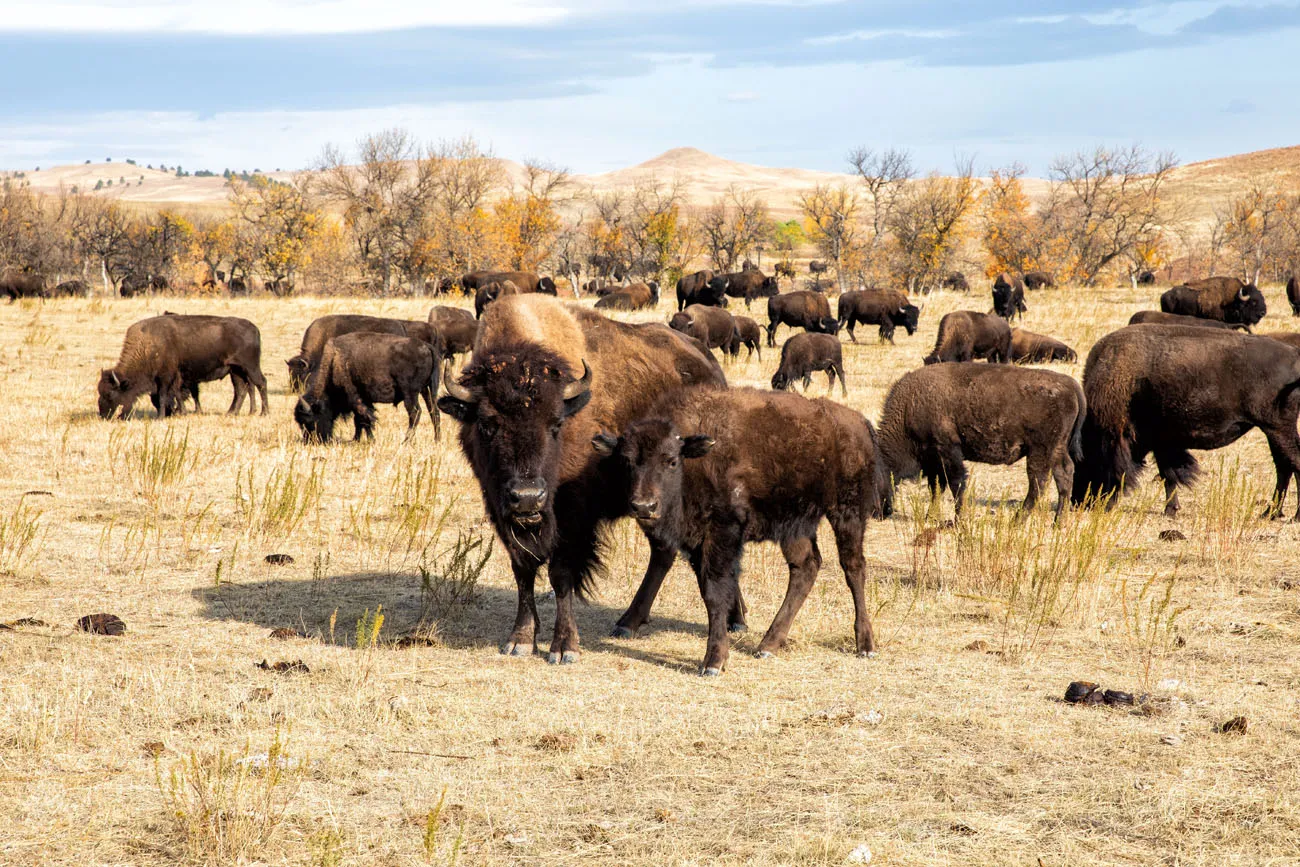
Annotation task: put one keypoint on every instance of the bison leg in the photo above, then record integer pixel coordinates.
(240, 386)
(1037, 468)
(720, 586)
(805, 562)
(1177, 467)
(194, 393)
(638, 613)
(433, 412)
(838, 370)
(567, 567)
(850, 324)
(254, 375)
(1286, 460)
(848, 544)
(521, 640)
(771, 332)
(412, 404)
(755, 346)
(1063, 475)
(954, 471)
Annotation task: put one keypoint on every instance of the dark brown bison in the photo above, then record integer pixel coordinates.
(697, 288)
(1038, 280)
(238, 286)
(1293, 294)
(1165, 389)
(803, 309)
(937, 418)
(748, 334)
(72, 289)
(1030, 348)
(1290, 338)
(133, 285)
(486, 293)
(526, 281)
(816, 266)
(805, 353)
(456, 326)
(1146, 278)
(326, 328)
(19, 284)
(707, 471)
(966, 336)
(785, 269)
(712, 326)
(1155, 317)
(745, 284)
(956, 282)
(361, 369)
(599, 287)
(631, 297)
(887, 308)
(166, 357)
(1225, 299)
(1009, 297)
(544, 379)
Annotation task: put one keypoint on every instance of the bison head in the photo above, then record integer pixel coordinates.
(113, 391)
(315, 416)
(1247, 307)
(512, 405)
(546, 286)
(681, 322)
(652, 453)
(298, 369)
(654, 292)
(908, 316)
(826, 325)
(780, 381)
(1003, 301)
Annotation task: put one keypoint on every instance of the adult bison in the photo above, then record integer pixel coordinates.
(456, 326)
(543, 380)
(887, 308)
(803, 309)
(1038, 280)
(966, 336)
(712, 326)
(1155, 317)
(72, 289)
(747, 285)
(489, 292)
(957, 282)
(361, 369)
(937, 418)
(22, 284)
(1030, 348)
(1164, 389)
(166, 357)
(785, 269)
(133, 285)
(697, 288)
(706, 471)
(634, 296)
(748, 334)
(1293, 294)
(526, 281)
(803, 354)
(1146, 278)
(1225, 299)
(1009, 297)
(326, 328)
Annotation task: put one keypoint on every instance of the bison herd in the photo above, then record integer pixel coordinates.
(571, 420)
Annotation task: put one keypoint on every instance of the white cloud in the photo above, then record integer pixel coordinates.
(741, 96)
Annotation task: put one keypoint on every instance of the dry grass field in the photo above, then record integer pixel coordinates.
(169, 745)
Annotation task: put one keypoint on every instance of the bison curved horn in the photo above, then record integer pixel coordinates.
(115, 379)
(458, 391)
(1243, 295)
(578, 386)
(302, 402)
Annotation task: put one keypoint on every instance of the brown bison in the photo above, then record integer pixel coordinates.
(360, 369)
(966, 336)
(543, 380)
(803, 354)
(1225, 299)
(1030, 348)
(748, 285)
(134, 284)
(631, 297)
(1290, 338)
(803, 309)
(1165, 389)
(712, 326)
(1146, 278)
(887, 308)
(326, 328)
(1009, 297)
(525, 281)
(1155, 317)
(956, 282)
(19, 284)
(166, 357)
(748, 334)
(489, 292)
(456, 326)
(706, 471)
(72, 289)
(816, 266)
(937, 418)
(698, 288)
(785, 269)
(1293, 294)
(1038, 280)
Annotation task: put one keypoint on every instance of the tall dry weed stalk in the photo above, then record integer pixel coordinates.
(20, 537)
(278, 506)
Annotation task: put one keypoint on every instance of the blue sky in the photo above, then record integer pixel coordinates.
(601, 84)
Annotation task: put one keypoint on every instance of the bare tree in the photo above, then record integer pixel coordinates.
(832, 210)
(926, 225)
(884, 175)
(736, 224)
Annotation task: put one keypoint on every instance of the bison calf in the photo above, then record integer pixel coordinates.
(805, 353)
(1030, 348)
(966, 336)
(748, 334)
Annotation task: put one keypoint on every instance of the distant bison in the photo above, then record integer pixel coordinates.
(72, 289)
(785, 269)
(712, 326)
(1293, 294)
(526, 281)
(1155, 317)
(747, 333)
(803, 309)
(1030, 348)
(361, 369)
(937, 418)
(1038, 280)
(966, 336)
(816, 266)
(133, 285)
(887, 308)
(1009, 297)
(957, 282)
(486, 293)
(698, 288)
(326, 328)
(1146, 278)
(457, 327)
(1226, 299)
(803, 354)
(631, 297)
(747, 285)
(17, 285)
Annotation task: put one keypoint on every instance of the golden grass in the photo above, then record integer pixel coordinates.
(152, 748)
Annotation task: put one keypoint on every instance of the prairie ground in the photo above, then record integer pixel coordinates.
(168, 744)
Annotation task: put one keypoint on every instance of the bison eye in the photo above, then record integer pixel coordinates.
(672, 462)
(487, 426)
(555, 428)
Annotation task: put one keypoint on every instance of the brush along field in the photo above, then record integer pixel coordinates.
(169, 745)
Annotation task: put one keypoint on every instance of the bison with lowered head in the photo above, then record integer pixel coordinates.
(1009, 297)
(966, 336)
(457, 328)
(937, 418)
(543, 380)
(166, 357)
(748, 284)
(1038, 280)
(19, 284)
(887, 308)
(805, 353)
(525, 281)
(1030, 348)
(712, 326)
(748, 334)
(1155, 317)
(956, 282)
(631, 297)
(1293, 294)
(1225, 299)
(803, 309)
(698, 288)
(326, 328)
(1165, 389)
(706, 471)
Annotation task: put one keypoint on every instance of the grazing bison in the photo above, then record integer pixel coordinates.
(748, 334)
(326, 328)
(1009, 297)
(785, 269)
(712, 326)
(748, 285)
(1030, 348)
(803, 309)
(360, 369)
(816, 266)
(525, 281)
(957, 282)
(1293, 294)
(632, 297)
(544, 379)
(18, 284)
(805, 353)
(1164, 389)
(1146, 278)
(698, 288)
(966, 336)
(937, 418)
(706, 471)
(456, 326)
(134, 284)
(1225, 299)
(72, 289)
(1038, 280)
(166, 357)
(1155, 317)
(887, 308)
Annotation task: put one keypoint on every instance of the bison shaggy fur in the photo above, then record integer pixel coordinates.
(1030, 348)
(887, 308)
(1225, 299)
(965, 336)
(326, 328)
(698, 288)
(803, 354)
(803, 309)
(634, 296)
(1156, 317)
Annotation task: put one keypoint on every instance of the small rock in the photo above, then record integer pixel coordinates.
(1169, 684)
(872, 717)
(102, 624)
(519, 839)
(1170, 740)
(284, 667)
(278, 559)
(1172, 536)
(1235, 726)
(153, 749)
(1078, 691)
(398, 704)
(284, 633)
(860, 855)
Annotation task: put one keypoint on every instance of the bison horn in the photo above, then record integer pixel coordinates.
(115, 379)
(458, 391)
(302, 402)
(578, 386)
(1243, 295)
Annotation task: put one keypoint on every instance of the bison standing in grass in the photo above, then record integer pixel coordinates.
(712, 326)
(937, 418)
(456, 327)
(698, 288)
(1293, 294)
(326, 328)
(72, 289)
(806, 353)
(966, 336)
(18, 284)
(1038, 280)
(632, 297)
(1155, 317)
(1225, 299)
(706, 471)
(747, 285)
(1030, 348)
(748, 334)
(361, 369)
(887, 308)
(1165, 389)
(1009, 297)
(525, 281)
(803, 309)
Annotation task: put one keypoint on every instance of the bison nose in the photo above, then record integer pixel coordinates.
(527, 497)
(645, 508)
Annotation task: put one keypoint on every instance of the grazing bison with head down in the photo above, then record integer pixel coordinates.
(1225, 299)
(631, 297)
(749, 284)
(748, 334)
(1030, 348)
(1155, 317)
(711, 326)
(965, 336)
(1164, 389)
(957, 282)
(936, 418)
(361, 369)
(166, 357)
(706, 471)
(1293, 294)
(803, 309)
(805, 353)
(72, 289)
(1038, 280)
(698, 288)
(887, 308)
(18, 284)
(544, 379)
(456, 326)
(326, 328)
(1009, 297)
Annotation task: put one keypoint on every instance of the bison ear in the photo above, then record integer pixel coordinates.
(464, 411)
(604, 444)
(697, 445)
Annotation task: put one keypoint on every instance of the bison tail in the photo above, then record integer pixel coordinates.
(1076, 435)
(1105, 467)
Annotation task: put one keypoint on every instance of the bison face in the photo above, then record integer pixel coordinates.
(1002, 302)
(827, 325)
(780, 382)
(297, 370)
(1247, 308)
(546, 285)
(652, 452)
(680, 322)
(908, 316)
(113, 390)
(316, 419)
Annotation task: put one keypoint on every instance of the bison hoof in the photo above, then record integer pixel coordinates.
(737, 627)
(569, 657)
(710, 672)
(867, 654)
(512, 648)
(623, 632)
(764, 654)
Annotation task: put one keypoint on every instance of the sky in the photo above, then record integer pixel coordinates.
(595, 85)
